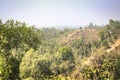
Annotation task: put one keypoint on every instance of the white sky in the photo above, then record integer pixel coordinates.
(45, 13)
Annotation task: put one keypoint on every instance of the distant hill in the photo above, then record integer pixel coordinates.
(87, 34)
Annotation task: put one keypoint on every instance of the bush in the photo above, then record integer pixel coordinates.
(5, 68)
(102, 66)
(34, 66)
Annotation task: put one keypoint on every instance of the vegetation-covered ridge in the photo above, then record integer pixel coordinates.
(87, 34)
(30, 53)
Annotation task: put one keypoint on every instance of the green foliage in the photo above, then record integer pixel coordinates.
(28, 53)
(34, 66)
(110, 32)
(14, 63)
(66, 53)
(66, 68)
(63, 62)
(105, 44)
(61, 77)
(15, 39)
(5, 68)
(17, 34)
(3, 41)
(102, 66)
(82, 48)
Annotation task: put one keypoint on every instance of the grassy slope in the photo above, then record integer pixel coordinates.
(87, 34)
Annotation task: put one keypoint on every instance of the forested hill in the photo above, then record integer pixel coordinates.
(30, 53)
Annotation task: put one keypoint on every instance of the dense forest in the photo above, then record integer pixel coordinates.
(85, 53)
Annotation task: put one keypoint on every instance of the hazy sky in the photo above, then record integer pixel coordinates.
(60, 12)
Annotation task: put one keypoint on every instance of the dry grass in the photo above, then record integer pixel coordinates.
(115, 47)
(87, 34)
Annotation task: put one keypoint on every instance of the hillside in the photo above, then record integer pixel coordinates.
(29, 53)
(87, 34)
(115, 47)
